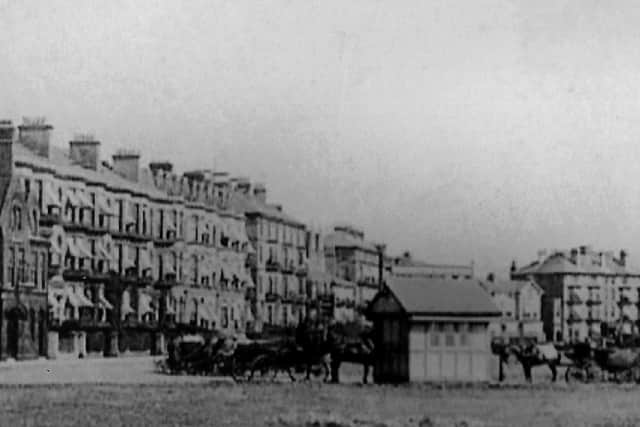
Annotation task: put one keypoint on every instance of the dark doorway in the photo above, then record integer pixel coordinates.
(42, 333)
(13, 336)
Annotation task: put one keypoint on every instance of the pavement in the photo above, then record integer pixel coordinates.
(120, 370)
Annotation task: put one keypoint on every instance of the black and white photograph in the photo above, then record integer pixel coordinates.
(320, 213)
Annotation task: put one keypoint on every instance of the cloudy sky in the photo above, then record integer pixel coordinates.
(459, 130)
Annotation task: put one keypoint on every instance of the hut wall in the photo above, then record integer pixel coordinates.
(392, 362)
(449, 351)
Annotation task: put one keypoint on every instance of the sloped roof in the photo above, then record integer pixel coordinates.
(249, 205)
(340, 239)
(60, 163)
(502, 286)
(442, 296)
(588, 263)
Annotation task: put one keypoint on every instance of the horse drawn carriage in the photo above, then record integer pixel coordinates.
(589, 363)
(310, 354)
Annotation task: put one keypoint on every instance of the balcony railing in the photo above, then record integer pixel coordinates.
(273, 265)
(287, 267)
(625, 300)
(272, 297)
(49, 220)
(574, 299)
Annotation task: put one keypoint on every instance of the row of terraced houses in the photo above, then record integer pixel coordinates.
(112, 257)
(106, 257)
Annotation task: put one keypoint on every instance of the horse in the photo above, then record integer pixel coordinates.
(358, 350)
(290, 357)
(533, 355)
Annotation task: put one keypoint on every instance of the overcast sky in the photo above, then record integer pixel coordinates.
(459, 130)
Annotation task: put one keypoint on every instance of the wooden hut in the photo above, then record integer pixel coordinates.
(432, 330)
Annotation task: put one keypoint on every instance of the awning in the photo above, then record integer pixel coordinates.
(104, 302)
(125, 307)
(102, 252)
(74, 298)
(203, 312)
(103, 206)
(145, 260)
(73, 248)
(51, 298)
(71, 198)
(50, 196)
(84, 301)
(145, 304)
(84, 200)
(84, 248)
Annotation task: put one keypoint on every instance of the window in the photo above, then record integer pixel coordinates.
(270, 314)
(11, 268)
(43, 270)
(225, 317)
(16, 218)
(27, 189)
(22, 274)
(434, 338)
(39, 190)
(449, 336)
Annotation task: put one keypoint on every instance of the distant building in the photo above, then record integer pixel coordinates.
(432, 330)
(520, 304)
(406, 266)
(586, 292)
(352, 258)
(279, 266)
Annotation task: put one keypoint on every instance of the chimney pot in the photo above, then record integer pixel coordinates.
(126, 163)
(6, 149)
(35, 134)
(84, 150)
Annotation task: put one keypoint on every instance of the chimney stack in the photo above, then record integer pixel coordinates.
(6, 148)
(260, 192)
(84, 150)
(574, 256)
(623, 257)
(35, 134)
(126, 163)
(160, 166)
(243, 185)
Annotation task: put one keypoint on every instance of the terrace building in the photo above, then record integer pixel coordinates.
(586, 292)
(405, 266)
(519, 301)
(353, 261)
(107, 258)
(279, 265)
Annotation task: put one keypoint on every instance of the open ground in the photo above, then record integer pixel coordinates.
(126, 392)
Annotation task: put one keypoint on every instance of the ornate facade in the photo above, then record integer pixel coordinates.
(100, 256)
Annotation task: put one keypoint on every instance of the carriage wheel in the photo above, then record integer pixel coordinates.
(577, 373)
(262, 364)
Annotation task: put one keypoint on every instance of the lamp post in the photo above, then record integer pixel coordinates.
(380, 248)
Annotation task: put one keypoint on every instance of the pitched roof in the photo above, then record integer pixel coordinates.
(442, 296)
(340, 239)
(249, 205)
(591, 262)
(502, 286)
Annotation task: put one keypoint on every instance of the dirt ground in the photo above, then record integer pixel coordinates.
(318, 405)
(128, 393)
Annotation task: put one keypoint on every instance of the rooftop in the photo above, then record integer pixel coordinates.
(581, 260)
(428, 296)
